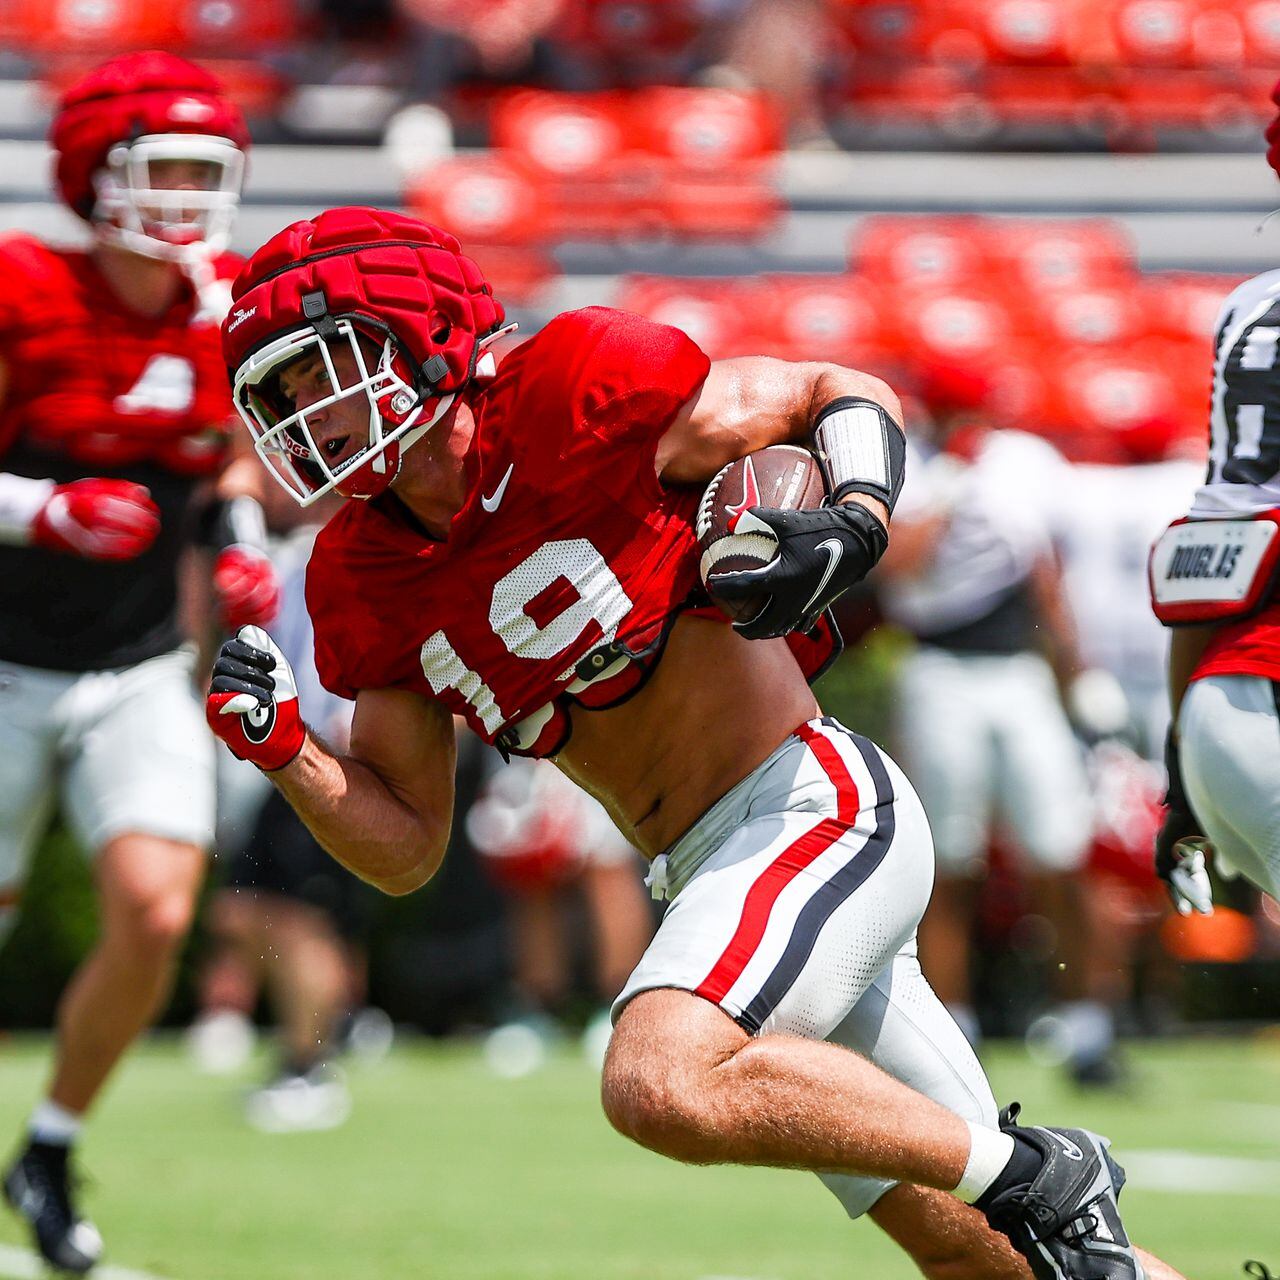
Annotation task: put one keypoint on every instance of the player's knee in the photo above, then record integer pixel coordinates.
(650, 1107)
(154, 925)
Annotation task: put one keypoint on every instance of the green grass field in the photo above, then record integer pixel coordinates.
(447, 1173)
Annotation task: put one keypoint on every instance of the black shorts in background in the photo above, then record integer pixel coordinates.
(283, 858)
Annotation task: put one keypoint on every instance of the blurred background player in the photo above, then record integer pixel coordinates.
(1213, 579)
(973, 575)
(540, 837)
(285, 917)
(114, 455)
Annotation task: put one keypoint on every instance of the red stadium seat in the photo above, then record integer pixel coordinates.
(487, 199)
(958, 324)
(562, 134)
(895, 29)
(1185, 305)
(1261, 22)
(1044, 254)
(234, 27)
(1155, 33)
(716, 314)
(1050, 97)
(622, 26)
(706, 128)
(821, 317)
(1098, 316)
(921, 251)
(1005, 32)
(1124, 406)
(91, 27)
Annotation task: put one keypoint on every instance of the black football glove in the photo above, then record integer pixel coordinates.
(821, 554)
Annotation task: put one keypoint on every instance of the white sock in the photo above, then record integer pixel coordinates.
(51, 1123)
(989, 1152)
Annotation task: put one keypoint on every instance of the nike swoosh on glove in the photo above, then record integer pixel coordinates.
(1180, 863)
(97, 519)
(821, 554)
(246, 587)
(252, 704)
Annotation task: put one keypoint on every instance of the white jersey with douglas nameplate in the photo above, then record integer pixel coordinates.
(1244, 422)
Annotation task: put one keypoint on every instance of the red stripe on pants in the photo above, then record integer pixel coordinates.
(783, 869)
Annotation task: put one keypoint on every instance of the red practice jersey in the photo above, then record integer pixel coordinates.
(95, 389)
(568, 562)
(97, 383)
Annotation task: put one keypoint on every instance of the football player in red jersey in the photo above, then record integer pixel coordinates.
(520, 550)
(114, 454)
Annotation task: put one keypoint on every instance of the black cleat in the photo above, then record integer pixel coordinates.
(1066, 1221)
(38, 1186)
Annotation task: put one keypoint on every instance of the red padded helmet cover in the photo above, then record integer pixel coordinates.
(407, 275)
(125, 98)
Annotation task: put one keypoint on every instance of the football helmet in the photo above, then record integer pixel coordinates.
(363, 305)
(150, 150)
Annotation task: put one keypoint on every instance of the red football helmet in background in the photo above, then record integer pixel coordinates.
(395, 312)
(151, 151)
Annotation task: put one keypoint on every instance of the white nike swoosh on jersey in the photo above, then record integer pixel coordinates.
(490, 504)
(834, 551)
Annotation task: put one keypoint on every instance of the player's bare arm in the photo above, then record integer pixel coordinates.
(754, 401)
(384, 808)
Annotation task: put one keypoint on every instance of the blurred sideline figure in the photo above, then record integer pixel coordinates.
(1213, 579)
(973, 575)
(114, 452)
(286, 917)
(539, 836)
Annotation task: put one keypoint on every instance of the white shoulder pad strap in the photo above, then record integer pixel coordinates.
(1207, 570)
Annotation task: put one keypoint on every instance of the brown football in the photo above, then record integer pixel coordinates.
(782, 476)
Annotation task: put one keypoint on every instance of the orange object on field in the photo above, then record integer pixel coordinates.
(1226, 937)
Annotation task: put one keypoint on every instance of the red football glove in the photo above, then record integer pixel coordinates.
(252, 703)
(98, 519)
(246, 587)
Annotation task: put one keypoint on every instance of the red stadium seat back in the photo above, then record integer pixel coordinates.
(488, 199)
(68, 28)
(920, 252)
(712, 312)
(1185, 305)
(1049, 96)
(956, 325)
(707, 129)
(1156, 98)
(1124, 406)
(1061, 255)
(234, 27)
(690, 207)
(565, 135)
(1261, 22)
(1155, 33)
(821, 317)
(621, 27)
(895, 29)
(1008, 32)
(1098, 316)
